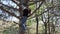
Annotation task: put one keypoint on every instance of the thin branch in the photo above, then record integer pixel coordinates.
(36, 9)
(48, 8)
(36, 0)
(9, 6)
(16, 2)
(9, 12)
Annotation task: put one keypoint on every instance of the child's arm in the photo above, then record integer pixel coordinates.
(29, 13)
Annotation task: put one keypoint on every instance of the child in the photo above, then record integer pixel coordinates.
(26, 12)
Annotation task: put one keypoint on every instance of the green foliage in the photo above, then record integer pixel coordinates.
(11, 30)
(32, 7)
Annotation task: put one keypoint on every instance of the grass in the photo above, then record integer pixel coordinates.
(11, 28)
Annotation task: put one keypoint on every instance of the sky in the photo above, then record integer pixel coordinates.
(0, 11)
(6, 2)
(9, 3)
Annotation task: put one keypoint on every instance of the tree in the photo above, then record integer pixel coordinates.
(11, 9)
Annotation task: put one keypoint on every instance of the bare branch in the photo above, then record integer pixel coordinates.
(48, 8)
(36, 9)
(36, 0)
(15, 1)
(9, 12)
(9, 6)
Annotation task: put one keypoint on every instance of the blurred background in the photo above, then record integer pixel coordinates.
(45, 18)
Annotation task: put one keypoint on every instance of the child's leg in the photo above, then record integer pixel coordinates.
(23, 22)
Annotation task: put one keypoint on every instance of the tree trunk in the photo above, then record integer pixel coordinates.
(37, 25)
(45, 28)
(25, 4)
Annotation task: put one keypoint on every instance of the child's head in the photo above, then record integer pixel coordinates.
(25, 10)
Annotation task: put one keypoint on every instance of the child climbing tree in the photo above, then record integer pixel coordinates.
(24, 11)
(23, 19)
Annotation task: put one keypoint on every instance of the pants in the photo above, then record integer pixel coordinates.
(23, 22)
